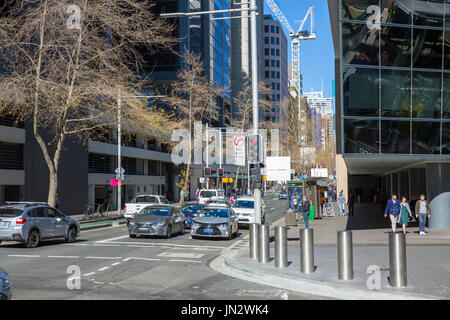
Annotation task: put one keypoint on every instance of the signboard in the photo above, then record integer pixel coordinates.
(239, 150)
(225, 180)
(319, 172)
(328, 210)
(278, 169)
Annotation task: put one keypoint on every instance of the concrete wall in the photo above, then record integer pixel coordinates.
(341, 175)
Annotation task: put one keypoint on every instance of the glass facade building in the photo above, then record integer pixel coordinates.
(392, 64)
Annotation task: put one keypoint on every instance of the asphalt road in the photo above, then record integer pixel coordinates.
(113, 266)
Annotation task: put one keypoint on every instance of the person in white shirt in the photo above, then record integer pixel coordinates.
(422, 211)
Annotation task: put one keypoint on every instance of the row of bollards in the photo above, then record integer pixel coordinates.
(260, 250)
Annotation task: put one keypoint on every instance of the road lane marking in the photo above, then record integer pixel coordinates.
(181, 255)
(23, 255)
(139, 246)
(106, 245)
(181, 260)
(74, 244)
(64, 257)
(88, 274)
(107, 258)
(116, 263)
(171, 245)
(103, 269)
(146, 259)
(112, 239)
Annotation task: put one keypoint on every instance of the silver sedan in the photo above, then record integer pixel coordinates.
(157, 221)
(215, 221)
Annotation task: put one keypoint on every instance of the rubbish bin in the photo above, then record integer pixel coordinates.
(311, 213)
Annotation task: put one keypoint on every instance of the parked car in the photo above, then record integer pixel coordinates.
(206, 194)
(142, 201)
(32, 222)
(5, 285)
(157, 221)
(215, 221)
(244, 207)
(189, 212)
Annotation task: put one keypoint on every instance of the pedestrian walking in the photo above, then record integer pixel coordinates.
(341, 201)
(351, 203)
(405, 214)
(422, 210)
(304, 209)
(393, 209)
(197, 194)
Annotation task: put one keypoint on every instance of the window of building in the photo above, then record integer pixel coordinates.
(267, 75)
(272, 29)
(272, 63)
(278, 74)
(277, 40)
(272, 51)
(266, 28)
(277, 29)
(361, 94)
(273, 74)
(395, 93)
(426, 94)
(267, 63)
(266, 51)
(361, 136)
(395, 136)
(266, 40)
(272, 40)
(278, 63)
(278, 86)
(278, 97)
(273, 85)
(278, 52)
(426, 137)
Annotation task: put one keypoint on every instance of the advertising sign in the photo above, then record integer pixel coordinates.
(239, 150)
(278, 169)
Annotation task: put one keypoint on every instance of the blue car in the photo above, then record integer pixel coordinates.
(189, 211)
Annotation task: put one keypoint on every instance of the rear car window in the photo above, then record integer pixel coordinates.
(146, 199)
(208, 194)
(10, 212)
(164, 200)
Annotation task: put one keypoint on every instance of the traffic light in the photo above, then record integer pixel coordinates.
(220, 173)
(255, 148)
(207, 172)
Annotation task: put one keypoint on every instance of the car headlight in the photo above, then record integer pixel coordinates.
(159, 223)
(131, 223)
(222, 225)
(195, 224)
(5, 280)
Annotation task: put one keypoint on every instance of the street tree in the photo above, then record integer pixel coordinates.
(68, 61)
(192, 98)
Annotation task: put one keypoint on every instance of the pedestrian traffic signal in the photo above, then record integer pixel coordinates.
(255, 148)
(207, 172)
(220, 172)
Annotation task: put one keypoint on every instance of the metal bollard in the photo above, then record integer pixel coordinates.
(281, 257)
(397, 259)
(306, 250)
(264, 241)
(254, 240)
(345, 255)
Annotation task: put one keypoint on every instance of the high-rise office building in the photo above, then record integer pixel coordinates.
(393, 98)
(275, 65)
(317, 100)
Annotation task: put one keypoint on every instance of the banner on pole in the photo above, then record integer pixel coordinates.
(239, 150)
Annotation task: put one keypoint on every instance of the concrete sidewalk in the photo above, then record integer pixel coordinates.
(428, 260)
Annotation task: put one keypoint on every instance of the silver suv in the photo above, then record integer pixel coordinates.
(31, 222)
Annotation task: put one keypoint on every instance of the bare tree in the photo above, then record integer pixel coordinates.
(242, 119)
(192, 97)
(69, 61)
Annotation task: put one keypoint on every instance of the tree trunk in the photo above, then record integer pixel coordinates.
(52, 188)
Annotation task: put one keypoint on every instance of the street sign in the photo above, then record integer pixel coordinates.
(121, 171)
(239, 150)
(278, 169)
(319, 172)
(225, 180)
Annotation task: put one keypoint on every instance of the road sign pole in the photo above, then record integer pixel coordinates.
(207, 155)
(119, 142)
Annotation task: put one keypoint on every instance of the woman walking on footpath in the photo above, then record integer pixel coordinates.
(393, 208)
(405, 213)
(341, 201)
(422, 210)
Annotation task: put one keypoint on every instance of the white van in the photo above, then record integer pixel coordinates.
(206, 194)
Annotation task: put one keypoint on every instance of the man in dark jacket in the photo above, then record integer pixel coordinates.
(393, 208)
(304, 208)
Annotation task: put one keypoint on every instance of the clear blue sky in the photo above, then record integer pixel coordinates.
(316, 56)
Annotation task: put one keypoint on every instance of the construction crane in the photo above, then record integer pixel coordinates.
(296, 38)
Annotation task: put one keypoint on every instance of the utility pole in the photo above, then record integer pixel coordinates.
(207, 155)
(119, 154)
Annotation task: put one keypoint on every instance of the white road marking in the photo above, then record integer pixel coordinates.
(181, 255)
(146, 259)
(180, 260)
(65, 257)
(106, 245)
(171, 245)
(126, 259)
(139, 246)
(23, 255)
(107, 258)
(103, 269)
(74, 244)
(112, 239)
(116, 263)
(88, 274)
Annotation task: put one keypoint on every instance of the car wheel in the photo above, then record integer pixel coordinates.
(33, 239)
(132, 236)
(183, 229)
(169, 231)
(72, 235)
(230, 234)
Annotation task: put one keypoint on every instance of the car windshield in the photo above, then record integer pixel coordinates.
(155, 212)
(208, 194)
(214, 213)
(10, 212)
(248, 204)
(191, 209)
(145, 199)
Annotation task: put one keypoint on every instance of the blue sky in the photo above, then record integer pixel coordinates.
(316, 56)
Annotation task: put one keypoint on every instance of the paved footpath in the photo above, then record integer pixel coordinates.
(428, 260)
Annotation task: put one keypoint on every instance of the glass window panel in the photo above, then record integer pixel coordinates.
(446, 96)
(395, 11)
(447, 14)
(395, 46)
(428, 13)
(426, 94)
(361, 136)
(359, 44)
(427, 48)
(395, 136)
(395, 93)
(426, 137)
(357, 9)
(447, 49)
(360, 88)
(445, 137)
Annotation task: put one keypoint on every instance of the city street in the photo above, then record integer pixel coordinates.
(114, 266)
